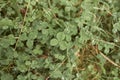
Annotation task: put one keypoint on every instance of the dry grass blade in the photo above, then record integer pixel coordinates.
(109, 60)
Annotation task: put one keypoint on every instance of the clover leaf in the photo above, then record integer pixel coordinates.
(53, 42)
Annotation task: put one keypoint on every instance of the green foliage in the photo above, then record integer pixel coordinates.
(54, 42)
(59, 39)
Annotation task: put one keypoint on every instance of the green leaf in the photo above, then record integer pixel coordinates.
(53, 42)
(60, 36)
(33, 34)
(5, 62)
(116, 27)
(63, 45)
(45, 31)
(11, 39)
(15, 54)
(4, 43)
(22, 68)
(27, 1)
(6, 22)
(28, 63)
(102, 63)
(33, 3)
(6, 77)
(68, 38)
(20, 44)
(29, 43)
(84, 36)
(23, 37)
(56, 74)
(34, 77)
(34, 64)
(59, 56)
(37, 51)
(21, 77)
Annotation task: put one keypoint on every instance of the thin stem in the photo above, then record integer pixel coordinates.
(23, 24)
